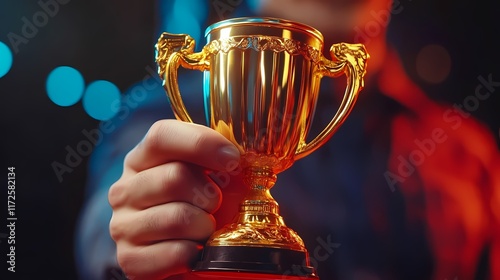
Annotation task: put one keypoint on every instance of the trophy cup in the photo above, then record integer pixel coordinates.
(261, 84)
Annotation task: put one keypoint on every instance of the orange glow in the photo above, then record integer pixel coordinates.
(456, 161)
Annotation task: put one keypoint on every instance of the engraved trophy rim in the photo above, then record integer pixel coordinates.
(265, 22)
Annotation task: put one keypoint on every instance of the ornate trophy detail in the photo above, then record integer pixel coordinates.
(261, 84)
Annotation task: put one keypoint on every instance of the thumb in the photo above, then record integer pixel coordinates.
(172, 140)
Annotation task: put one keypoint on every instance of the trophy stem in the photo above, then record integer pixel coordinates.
(258, 223)
(258, 206)
(257, 240)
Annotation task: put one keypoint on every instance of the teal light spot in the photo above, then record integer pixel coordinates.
(5, 59)
(254, 5)
(184, 24)
(65, 86)
(101, 99)
(185, 17)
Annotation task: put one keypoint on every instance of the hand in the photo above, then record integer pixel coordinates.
(164, 202)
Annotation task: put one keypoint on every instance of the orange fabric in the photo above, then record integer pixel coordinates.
(456, 161)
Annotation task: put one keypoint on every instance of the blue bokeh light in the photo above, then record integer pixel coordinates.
(254, 5)
(100, 99)
(5, 59)
(184, 17)
(65, 86)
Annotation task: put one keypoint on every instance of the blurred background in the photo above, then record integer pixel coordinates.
(109, 44)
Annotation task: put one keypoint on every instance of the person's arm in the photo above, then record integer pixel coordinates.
(94, 248)
(152, 197)
(159, 223)
(95, 251)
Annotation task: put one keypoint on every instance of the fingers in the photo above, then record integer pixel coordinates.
(157, 261)
(165, 183)
(172, 140)
(171, 221)
(162, 203)
(159, 241)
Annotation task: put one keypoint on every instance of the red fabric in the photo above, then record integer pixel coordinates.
(238, 276)
(456, 161)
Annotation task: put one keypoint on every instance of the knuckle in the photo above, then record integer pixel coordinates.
(116, 194)
(116, 228)
(127, 158)
(156, 133)
(128, 259)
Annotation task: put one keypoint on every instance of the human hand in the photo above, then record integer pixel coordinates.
(164, 202)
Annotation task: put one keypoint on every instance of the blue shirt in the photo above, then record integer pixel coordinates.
(328, 197)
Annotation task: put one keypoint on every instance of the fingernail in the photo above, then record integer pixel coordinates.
(228, 157)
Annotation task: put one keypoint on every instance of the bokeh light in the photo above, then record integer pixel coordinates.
(5, 59)
(100, 98)
(65, 86)
(184, 17)
(254, 5)
(433, 63)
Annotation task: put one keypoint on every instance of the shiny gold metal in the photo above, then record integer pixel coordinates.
(261, 84)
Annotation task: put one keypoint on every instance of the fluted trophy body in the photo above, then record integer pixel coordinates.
(262, 99)
(261, 84)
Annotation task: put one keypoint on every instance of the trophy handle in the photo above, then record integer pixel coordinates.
(349, 59)
(172, 51)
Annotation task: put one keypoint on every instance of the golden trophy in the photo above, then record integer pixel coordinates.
(261, 84)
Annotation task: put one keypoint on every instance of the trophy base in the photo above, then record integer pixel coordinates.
(228, 275)
(282, 263)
